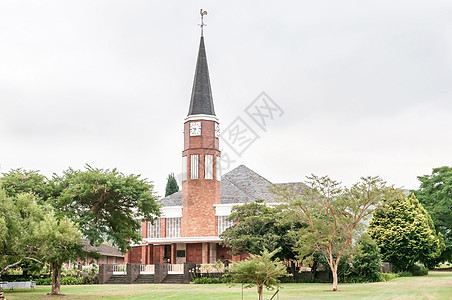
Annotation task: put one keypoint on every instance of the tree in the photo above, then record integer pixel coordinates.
(362, 264)
(404, 232)
(257, 226)
(332, 214)
(20, 181)
(171, 185)
(19, 217)
(435, 194)
(259, 270)
(106, 204)
(61, 241)
(30, 231)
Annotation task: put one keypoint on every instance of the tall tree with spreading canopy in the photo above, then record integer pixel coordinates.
(30, 231)
(405, 233)
(435, 194)
(106, 204)
(257, 226)
(20, 181)
(333, 214)
(259, 270)
(171, 185)
(19, 217)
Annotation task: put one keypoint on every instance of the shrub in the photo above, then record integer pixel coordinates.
(388, 276)
(366, 263)
(405, 274)
(69, 280)
(43, 281)
(206, 280)
(418, 270)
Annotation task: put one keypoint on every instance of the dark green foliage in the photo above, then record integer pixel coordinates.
(404, 232)
(171, 185)
(435, 194)
(43, 281)
(106, 204)
(366, 261)
(207, 280)
(332, 213)
(404, 274)
(418, 270)
(20, 181)
(362, 265)
(258, 226)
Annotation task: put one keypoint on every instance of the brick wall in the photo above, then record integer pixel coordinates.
(199, 195)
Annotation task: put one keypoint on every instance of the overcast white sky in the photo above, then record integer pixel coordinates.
(366, 87)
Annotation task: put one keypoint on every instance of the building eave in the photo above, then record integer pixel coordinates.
(172, 240)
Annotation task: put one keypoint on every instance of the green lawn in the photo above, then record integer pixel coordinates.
(437, 285)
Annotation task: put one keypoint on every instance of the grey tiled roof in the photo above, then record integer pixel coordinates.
(102, 249)
(240, 185)
(172, 200)
(201, 97)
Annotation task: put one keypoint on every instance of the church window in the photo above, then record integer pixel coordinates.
(154, 229)
(208, 167)
(223, 224)
(194, 159)
(173, 227)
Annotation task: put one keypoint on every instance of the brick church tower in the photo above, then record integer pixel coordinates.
(200, 180)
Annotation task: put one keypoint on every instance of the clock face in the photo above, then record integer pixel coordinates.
(195, 128)
(217, 130)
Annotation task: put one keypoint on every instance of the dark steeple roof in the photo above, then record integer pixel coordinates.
(201, 96)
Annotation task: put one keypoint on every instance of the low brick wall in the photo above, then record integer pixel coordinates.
(105, 273)
(133, 271)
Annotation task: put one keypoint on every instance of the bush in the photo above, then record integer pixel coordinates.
(69, 280)
(206, 280)
(366, 263)
(43, 281)
(387, 276)
(418, 270)
(405, 274)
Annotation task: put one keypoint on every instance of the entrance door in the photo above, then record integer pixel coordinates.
(194, 253)
(168, 253)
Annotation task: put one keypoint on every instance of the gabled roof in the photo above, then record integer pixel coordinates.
(102, 249)
(240, 185)
(201, 97)
(243, 185)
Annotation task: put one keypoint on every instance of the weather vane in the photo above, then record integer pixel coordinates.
(203, 13)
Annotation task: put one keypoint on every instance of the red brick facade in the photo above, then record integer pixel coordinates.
(200, 195)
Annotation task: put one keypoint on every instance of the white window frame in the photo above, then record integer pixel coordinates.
(208, 166)
(194, 161)
(223, 224)
(154, 229)
(173, 227)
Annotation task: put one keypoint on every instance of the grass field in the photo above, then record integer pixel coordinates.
(436, 285)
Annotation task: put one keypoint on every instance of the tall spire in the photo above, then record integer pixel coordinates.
(201, 97)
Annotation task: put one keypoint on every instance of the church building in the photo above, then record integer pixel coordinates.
(192, 219)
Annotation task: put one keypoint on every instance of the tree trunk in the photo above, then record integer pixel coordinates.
(334, 271)
(260, 290)
(56, 279)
